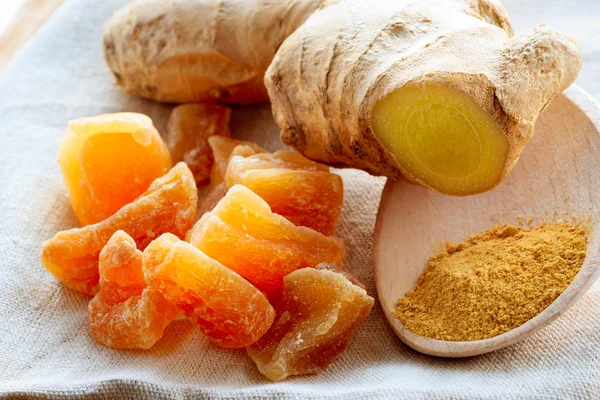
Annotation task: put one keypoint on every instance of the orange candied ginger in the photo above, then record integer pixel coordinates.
(229, 310)
(316, 319)
(222, 148)
(125, 313)
(188, 130)
(303, 191)
(169, 205)
(109, 160)
(243, 234)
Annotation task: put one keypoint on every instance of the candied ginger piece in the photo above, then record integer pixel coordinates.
(316, 319)
(266, 246)
(109, 160)
(240, 163)
(169, 205)
(223, 148)
(306, 198)
(228, 309)
(302, 191)
(126, 313)
(188, 130)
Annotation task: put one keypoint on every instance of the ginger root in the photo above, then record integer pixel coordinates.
(200, 50)
(436, 92)
(433, 91)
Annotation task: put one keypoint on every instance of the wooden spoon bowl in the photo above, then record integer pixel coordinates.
(558, 174)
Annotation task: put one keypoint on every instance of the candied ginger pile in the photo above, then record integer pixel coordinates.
(229, 309)
(169, 205)
(267, 246)
(259, 269)
(127, 313)
(302, 191)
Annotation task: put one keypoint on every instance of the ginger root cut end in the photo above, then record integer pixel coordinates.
(441, 139)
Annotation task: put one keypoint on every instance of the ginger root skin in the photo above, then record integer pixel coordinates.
(188, 51)
(329, 75)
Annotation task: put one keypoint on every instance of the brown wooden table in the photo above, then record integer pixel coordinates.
(27, 21)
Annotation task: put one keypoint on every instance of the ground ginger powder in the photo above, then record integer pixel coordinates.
(493, 282)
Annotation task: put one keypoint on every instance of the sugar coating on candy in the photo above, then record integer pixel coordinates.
(126, 313)
(188, 130)
(222, 148)
(243, 234)
(316, 319)
(169, 205)
(109, 160)
(228, 309)
(302, 191)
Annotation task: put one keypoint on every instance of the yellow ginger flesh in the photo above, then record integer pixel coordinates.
(442, 139)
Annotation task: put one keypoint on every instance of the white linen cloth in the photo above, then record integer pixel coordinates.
(46, 350)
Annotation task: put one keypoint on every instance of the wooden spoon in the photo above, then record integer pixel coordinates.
(559, 171)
